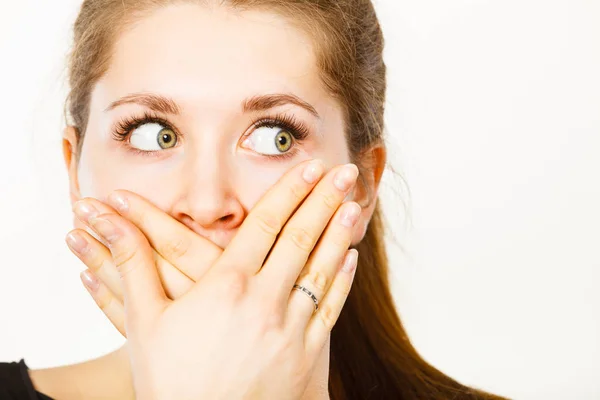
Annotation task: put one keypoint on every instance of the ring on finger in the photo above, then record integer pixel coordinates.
(309, 294)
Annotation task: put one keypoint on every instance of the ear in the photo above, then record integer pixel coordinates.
(70, 146)
(372, 164)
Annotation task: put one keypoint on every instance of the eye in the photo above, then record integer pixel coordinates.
(270, 140)
(152, 136)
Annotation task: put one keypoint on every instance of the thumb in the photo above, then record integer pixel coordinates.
(143, 294)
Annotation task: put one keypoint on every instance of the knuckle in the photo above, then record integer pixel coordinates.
(98, 261)
(328, 316)
(272, 319)
(176, 248)
(234, 284)
(340, 240)
(268, 223)
(344, 290)
(297, 191)
(102, 267)
(329, 200)
(301, 238)
(318, 280)
(124, 261)
(265, 313)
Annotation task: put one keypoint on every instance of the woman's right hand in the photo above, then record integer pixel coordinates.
(273, 356)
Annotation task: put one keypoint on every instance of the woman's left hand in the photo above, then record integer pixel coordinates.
(182, 256)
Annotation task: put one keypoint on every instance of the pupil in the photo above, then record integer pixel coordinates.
(166, 138)
(282, 140)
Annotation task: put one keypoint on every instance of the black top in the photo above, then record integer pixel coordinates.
(15, 383)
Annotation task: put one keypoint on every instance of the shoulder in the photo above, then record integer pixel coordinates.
(106, 377)
(16, 384)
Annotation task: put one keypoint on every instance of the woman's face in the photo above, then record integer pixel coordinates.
(233, 100)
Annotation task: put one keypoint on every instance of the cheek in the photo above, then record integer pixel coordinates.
(335, 151)
(255, 178)
(103, 171)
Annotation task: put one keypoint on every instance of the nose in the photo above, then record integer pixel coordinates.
(208, 203)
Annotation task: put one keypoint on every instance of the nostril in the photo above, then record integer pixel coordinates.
(226, 218)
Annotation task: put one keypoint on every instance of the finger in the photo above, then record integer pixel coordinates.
(105, 299)
(175, 242)
(326, 316)
(322, 265)
(143, 293)
(174, 282)
(303, 230)
(97, 258)
(89, 207)
(254, 239)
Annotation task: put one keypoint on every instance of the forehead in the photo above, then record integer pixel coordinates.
(212, 57)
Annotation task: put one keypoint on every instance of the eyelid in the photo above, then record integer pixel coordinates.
(296, 127)
(124, 127)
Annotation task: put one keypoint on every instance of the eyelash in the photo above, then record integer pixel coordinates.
(289, 123)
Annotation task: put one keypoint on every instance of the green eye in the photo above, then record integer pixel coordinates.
(166, 138)
(152, 137)
(271, 141)
(283, 141)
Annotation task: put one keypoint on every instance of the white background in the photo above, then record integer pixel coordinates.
(493, 116)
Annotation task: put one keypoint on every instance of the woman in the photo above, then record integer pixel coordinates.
(214, 214)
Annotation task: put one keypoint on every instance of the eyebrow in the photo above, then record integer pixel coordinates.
(154, 102)
(166, 105)
(267, 101)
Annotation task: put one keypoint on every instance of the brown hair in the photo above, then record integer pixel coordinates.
(371, 355)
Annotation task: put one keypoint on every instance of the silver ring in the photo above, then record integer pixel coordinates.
(309, 293)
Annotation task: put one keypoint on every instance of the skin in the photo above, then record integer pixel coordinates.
(211, 179)
(271, 357)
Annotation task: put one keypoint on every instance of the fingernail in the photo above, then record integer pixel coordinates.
(84, 211)
(313, 171)
(76, 242)
(351, 261)
(105, 228)
(346, 177)
(90, 280)
(118, 201)
(349, 216)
